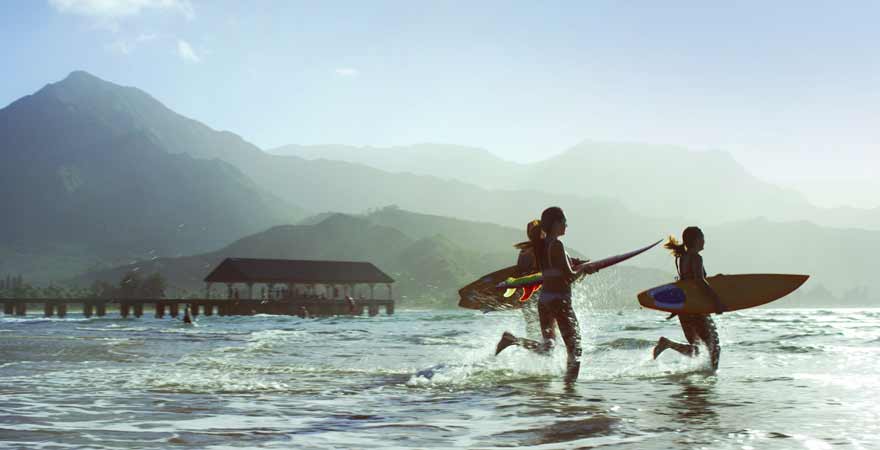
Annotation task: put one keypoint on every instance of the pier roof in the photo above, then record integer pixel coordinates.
(253, 270)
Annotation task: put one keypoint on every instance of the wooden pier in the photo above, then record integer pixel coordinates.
(288, 287)
(175, 307)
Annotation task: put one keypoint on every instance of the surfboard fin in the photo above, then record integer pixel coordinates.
(528, 291)
(509, 292)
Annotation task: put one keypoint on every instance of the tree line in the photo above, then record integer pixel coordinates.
(131, 285)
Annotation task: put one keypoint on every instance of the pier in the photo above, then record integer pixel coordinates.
(175, 307)
(286, 287)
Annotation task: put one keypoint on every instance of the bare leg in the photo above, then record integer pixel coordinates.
(508, 339)
(685, 349)
(571, 335)
(697, 328)
(709, 335)
(530, 315)
(548, 325)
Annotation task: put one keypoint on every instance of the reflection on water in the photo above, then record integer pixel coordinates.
(694, 404)
(788, 379)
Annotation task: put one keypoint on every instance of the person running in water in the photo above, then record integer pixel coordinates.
(554, 303)
(697, 327)
(527, 265)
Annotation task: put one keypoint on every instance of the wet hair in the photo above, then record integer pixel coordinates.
(688, 236)
(535, 235)
(549, 217)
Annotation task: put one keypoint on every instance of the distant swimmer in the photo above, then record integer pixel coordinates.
(554, 303)
(186, 316)
(697, 327)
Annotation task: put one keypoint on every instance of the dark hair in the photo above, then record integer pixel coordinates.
(688, 236)
(549, 217)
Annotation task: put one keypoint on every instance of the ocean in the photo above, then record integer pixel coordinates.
(788, 378)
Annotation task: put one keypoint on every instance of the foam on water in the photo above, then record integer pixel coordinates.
(788, 379)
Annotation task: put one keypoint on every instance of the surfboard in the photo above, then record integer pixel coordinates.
(736, 292)
(483, 293)
(537, 278)
(493, 291)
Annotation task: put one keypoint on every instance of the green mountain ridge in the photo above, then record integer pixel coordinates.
(428, 268)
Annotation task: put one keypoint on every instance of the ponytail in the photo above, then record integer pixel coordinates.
(535, 235)
(678, 249)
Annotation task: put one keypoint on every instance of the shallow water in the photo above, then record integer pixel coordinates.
(418, 379)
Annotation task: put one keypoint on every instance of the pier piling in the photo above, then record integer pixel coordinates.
(174, 306)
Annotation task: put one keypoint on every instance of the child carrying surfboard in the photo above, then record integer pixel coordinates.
(554, 303)
(697, 327)
(526, 264)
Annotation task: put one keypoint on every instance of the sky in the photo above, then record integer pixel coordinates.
(790, 88)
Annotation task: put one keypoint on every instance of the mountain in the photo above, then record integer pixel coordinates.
(849, 217)
(839, 259)
(111, 174)
(451, 162)
(656, 180)
(428, 268)
(87, 179)
(86, 124)
(704, 186)
(100, 108)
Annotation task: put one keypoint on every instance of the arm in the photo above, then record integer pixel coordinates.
(700, 278)
(560, 260)
(579, 266)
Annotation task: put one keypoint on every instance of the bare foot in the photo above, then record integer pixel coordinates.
(507, 340)
(662, 344)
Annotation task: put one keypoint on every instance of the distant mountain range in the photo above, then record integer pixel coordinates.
(653, 180)
(97, 174)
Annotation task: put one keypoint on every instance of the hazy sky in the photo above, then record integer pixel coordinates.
(792, 89)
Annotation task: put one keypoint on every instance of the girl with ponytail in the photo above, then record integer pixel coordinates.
(527, 264)
(697, 327)
(554, 304)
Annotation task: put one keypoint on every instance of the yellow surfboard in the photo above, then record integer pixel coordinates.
(736, 292)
